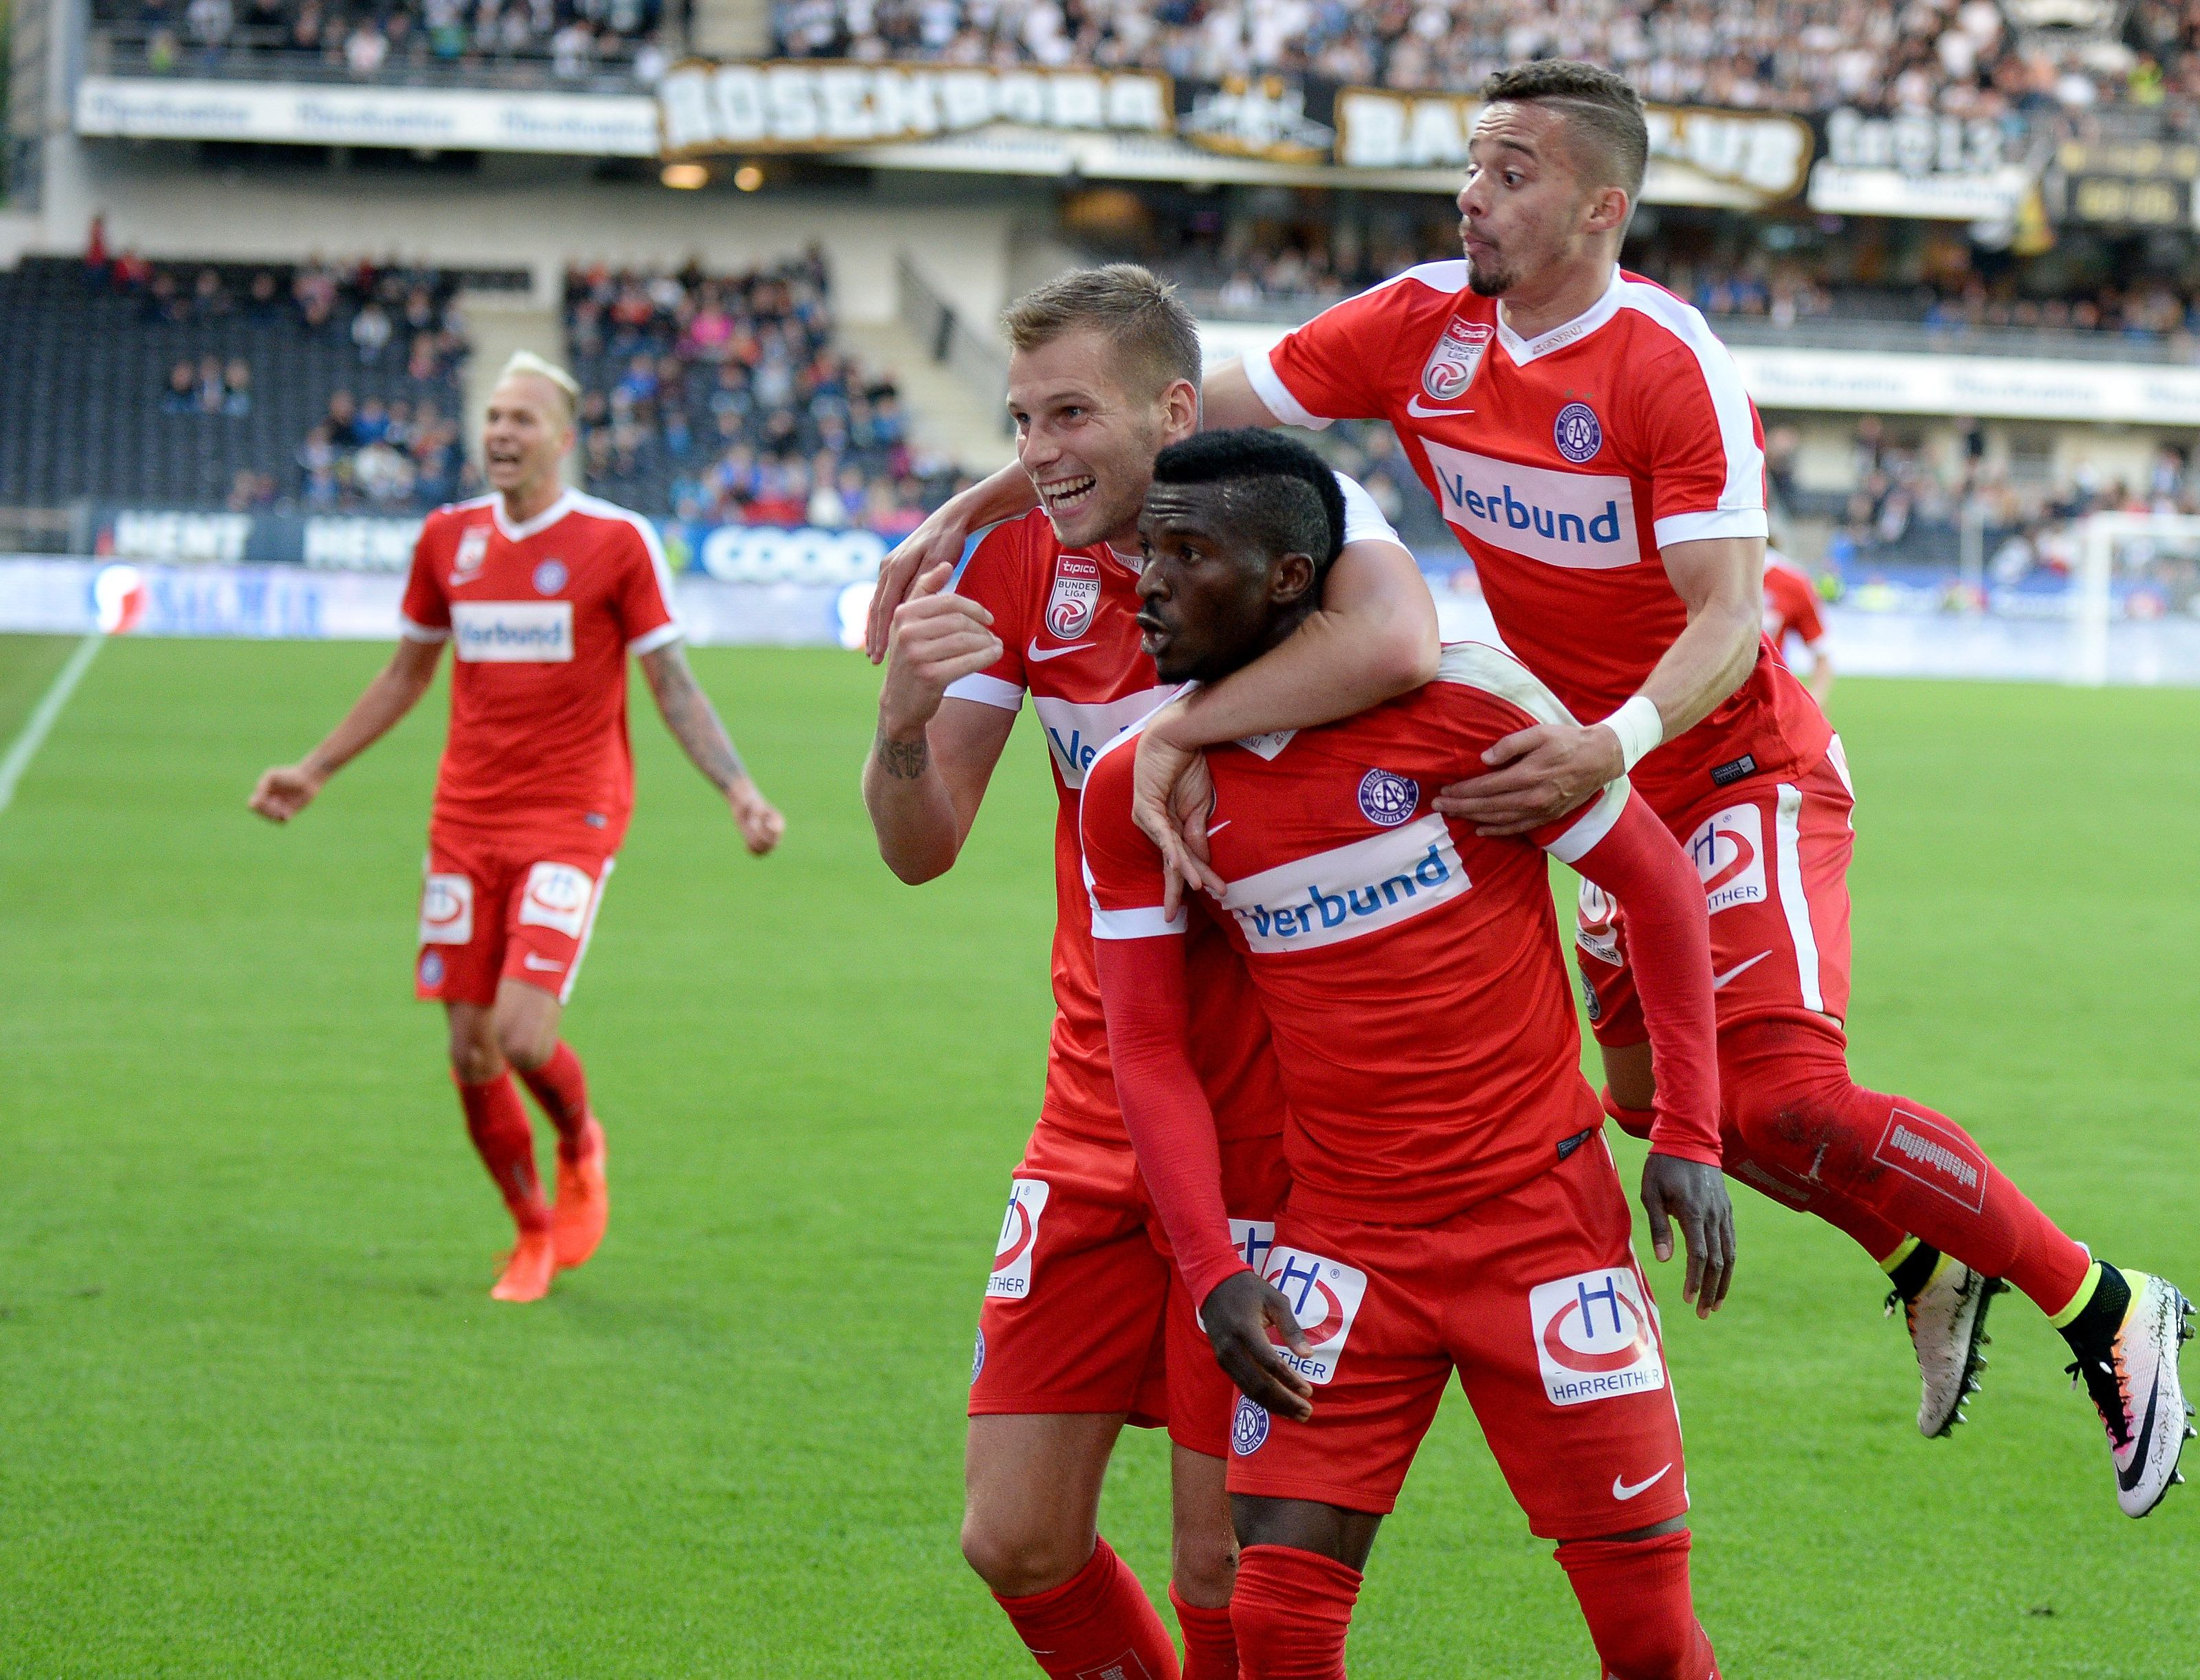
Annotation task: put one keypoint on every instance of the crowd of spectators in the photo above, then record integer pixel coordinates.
(569, 41)
(723, 399)
(383, 455)
(1959, 56)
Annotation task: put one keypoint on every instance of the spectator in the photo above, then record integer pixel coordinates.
(182, 396)
(370, 332)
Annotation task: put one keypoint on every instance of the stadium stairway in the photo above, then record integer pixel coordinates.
(501, 322)
(945, 413)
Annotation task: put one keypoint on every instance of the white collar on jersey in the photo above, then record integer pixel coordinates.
(568, 500)
(1525, 350)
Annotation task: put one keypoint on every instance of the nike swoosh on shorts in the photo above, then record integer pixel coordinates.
(532, 961)
(1621, 1490)
(1039, 656)
(1718, 982)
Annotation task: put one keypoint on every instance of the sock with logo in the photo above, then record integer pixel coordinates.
(562, 1089)
(1635, 1598)
(1787, 1085)
(497, 1123)
(1097, 1625)
(1210, 1646)
(1291, 1610)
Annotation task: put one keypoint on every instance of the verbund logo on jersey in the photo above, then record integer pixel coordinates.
(513, 631)
(1583, 520)
(1362, 888)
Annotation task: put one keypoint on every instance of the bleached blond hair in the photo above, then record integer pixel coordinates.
(526, 361)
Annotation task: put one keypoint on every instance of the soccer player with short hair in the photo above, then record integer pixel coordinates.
(1590, 441)
(1453, 1206)
(1083, 1327)
(542, 593)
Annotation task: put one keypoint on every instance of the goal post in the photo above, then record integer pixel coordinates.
(2107, 541)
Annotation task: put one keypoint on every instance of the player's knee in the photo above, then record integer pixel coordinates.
(475, 1059)
(1203, 1565)
(1017, 1561)
(525, 1043)
(1787, 1092)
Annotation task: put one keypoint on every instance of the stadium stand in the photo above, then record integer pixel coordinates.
(1964, 57)
(201, 385)
(608, 45)
(725, 397)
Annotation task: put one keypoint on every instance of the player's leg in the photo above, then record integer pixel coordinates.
(1203, 1560)
(553, 914)
(1071, 1327)
(1559, 1351)
(1298, 1578)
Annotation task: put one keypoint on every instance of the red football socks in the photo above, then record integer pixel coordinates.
(1635, 1597)
(1210, 1644)
(562, 1089)
(497, 1123)
(1097, 1625)
(1787, 1085)
(1291, 1610)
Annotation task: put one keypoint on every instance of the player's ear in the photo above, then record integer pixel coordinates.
(1180, 408)
(1608, 210)
(1292, 580)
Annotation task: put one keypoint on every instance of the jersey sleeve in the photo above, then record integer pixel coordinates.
(1705, 444)
(1805, 616)
(1363, 519)
(995, 572)
(1333, 368)
(1123, 871)
(424, 613)
(644, 599)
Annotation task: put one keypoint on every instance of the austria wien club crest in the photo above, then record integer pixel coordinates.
(1451, 366)
(1076, 593)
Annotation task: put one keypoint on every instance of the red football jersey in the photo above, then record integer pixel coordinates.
(541, 618)
(1791, 607)
(1412, 972)
(1067, 624)
(1563, 464)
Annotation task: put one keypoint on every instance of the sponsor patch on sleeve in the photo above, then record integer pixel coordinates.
(1596, 1337)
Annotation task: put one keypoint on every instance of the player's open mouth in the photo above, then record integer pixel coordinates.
(1152, 631)
(1069, 494)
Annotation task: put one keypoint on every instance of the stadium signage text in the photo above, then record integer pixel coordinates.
(1918, 164)
(801, 104)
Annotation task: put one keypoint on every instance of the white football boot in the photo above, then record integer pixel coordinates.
(2135, 1388)
(1947, 1321)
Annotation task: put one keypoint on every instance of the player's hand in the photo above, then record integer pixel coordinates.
(1171, 795)
(284, 791)
(1692, 1195)
(1537, 775)
(938, 541)
(935, 640)
(1240, 1314)
(761, 824)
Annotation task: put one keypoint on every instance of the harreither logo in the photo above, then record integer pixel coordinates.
(538, 632)
(1580, 520)
(1357, 889)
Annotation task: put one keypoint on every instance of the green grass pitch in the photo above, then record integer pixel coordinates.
(258, 1417)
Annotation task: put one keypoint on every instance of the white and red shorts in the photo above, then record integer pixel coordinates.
(508, 907)
(1085, 1310)
(1774, 856)
(1535, 1299)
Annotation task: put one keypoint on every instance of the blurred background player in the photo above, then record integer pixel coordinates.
(1591, 445)
(1453, 1206)
(1084, 1327)
(1790, 613)
(544, 592)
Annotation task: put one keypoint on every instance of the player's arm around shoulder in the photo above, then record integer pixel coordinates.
(695, 724)
(931, 757)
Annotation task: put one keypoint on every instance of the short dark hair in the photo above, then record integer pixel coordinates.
(1138, 313)
(1603, 112)
(1282, 494)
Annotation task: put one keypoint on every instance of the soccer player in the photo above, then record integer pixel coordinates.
(1453, 1205)
(542, 593)
(1081, 1329)
(1590, 443)
(1791, 612)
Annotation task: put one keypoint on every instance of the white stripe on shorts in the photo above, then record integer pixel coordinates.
(587, 928)
(1788, 847)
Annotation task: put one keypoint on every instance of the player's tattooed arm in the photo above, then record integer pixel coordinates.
(694, 723)
(903, 760)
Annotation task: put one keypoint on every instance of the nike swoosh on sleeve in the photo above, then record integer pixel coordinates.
(1039, 656)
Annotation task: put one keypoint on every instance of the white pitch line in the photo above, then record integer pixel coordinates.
(26, 745)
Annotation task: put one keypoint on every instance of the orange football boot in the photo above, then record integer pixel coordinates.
(528, 1269)
(584, 1199)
